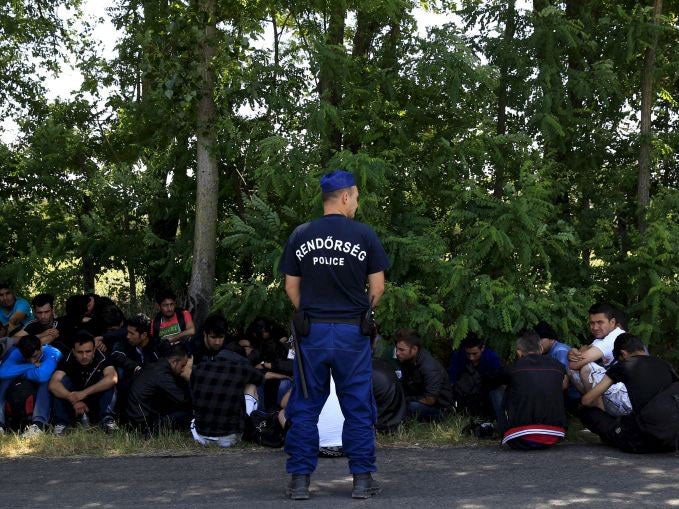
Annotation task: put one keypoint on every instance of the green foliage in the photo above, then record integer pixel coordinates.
(496, 157)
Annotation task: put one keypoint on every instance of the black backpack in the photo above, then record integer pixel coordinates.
(660, 417)
(263, 428)
(19, 403)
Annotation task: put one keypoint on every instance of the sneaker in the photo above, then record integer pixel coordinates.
(365, 486)
(298, 487)
(59, 430)
(109, 425)
(33, 430)
(2, 429)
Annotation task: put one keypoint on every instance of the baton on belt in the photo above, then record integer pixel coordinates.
(298, 359)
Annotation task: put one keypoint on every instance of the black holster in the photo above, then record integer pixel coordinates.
(302, 323)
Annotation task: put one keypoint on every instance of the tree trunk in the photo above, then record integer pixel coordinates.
(502, 96)
(207, 175)
(329, 83)
(132, 275)
(644, 176)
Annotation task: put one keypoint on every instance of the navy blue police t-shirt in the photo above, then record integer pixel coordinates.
(334, 256)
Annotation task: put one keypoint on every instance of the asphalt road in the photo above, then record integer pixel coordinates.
(569, 475)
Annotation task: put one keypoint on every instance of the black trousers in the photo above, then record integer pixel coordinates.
(621, 432)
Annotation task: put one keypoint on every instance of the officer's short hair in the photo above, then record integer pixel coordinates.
(529, 342)
(333, 195)
(408, 336)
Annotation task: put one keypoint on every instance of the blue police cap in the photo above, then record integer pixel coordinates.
(338, 179)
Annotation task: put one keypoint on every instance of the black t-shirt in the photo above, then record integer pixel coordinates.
(84, 376)
(334, 256)
(389, 397)
(644, 376)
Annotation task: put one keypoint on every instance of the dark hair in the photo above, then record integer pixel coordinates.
(545, 331)
(76, 306)
(5, 284)
(177, 351)
(140, 322)
(165, 294)
(81, 337)
(28, 345)
(409, 337)
(215, 325)
(42, 299)
(258, 327)
(628, 342)
(111, 316)
(472, 340)
(605, 308)
(529, 342)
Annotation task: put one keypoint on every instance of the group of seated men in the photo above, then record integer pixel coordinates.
(94, 366)
(620, 392)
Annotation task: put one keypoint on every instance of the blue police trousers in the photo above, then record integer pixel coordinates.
(342, 349)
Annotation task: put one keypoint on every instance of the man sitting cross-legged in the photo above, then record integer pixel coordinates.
(84, 384)
(588, 364)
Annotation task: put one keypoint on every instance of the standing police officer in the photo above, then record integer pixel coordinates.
(326, 263)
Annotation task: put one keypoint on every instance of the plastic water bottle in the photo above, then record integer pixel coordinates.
(85, 420)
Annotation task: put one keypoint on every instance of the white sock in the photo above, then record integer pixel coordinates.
(250, 403)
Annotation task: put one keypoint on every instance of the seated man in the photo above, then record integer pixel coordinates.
(208, 344)
(533, 414)
(15, 312)
(588, 364)
(653, 425)
(389, 397)
(171, 323)
(471, 369)
(45, 325)
(35, 363)
(138, 350)
(159, 397)
(84, 384)
(222, 388)
(425, 381)
(558, 351)
(112, 321)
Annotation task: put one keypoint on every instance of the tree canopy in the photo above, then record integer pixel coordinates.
(519, 162)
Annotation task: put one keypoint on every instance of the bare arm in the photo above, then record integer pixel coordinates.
(375, 287)
(109, 379)
(590, 398)
(56, 387)
(564, 384)
(591, 354)
(293, 286)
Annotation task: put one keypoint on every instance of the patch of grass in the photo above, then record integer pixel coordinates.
(449, 432)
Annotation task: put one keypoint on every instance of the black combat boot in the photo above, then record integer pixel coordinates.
(365, 486)
(298, 487)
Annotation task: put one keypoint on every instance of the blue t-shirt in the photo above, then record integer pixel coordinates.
(334, 256)
(559, 352)
(19, 305)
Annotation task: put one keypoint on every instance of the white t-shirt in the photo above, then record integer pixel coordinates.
(331, 421)
(606, 345)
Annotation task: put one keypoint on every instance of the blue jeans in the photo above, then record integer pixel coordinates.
(342, 349)
(41, 408)
(101, 404)
(424, 412)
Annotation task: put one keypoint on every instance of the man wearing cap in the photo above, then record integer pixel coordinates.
(326, 263)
